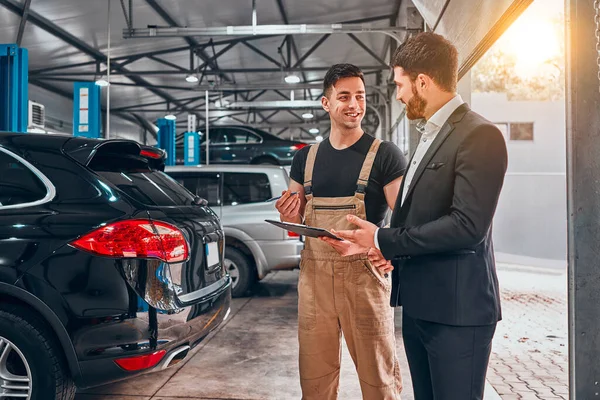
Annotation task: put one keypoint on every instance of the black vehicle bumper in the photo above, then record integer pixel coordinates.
(176, 334)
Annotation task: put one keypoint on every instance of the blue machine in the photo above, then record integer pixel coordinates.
(166, 138)
(14, 94)
(86, 110)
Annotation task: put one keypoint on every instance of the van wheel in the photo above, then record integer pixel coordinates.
(241, 271)
(31, 362)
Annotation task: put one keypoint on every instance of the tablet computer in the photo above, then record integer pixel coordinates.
(303, 230)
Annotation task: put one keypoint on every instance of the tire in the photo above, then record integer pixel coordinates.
(242, 273)
(28, 349)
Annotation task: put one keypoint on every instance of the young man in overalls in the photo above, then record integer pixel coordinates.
(350, 172)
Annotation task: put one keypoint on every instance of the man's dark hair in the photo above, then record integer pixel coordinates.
(430, 54)
(339, 71)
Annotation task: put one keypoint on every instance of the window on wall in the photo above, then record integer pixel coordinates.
(521, 131)
(516, 130)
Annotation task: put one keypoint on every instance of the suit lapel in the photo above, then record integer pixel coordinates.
(445, 131)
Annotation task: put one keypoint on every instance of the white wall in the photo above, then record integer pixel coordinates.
(59, 108)
(530, 226)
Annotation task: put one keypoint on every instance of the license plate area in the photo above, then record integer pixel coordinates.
(213, 258)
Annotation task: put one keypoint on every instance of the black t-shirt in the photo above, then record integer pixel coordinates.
(336, 172)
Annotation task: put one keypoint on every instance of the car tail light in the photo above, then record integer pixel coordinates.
(137, 238)
(138, 363)
(292, 234)
(150, 153)
(298, 146)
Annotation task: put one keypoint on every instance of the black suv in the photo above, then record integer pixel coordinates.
(238, 144)
(108, 267)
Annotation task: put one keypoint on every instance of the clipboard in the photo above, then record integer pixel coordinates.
(303, 230)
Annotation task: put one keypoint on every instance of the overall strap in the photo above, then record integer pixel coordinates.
(308, 170)
(365, 172)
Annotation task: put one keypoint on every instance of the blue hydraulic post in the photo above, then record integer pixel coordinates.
(166, 138)
(14, 94)
(86, 110)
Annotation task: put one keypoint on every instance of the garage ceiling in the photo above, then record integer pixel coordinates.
(67, 42)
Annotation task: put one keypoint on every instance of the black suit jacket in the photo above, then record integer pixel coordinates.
(440, 239)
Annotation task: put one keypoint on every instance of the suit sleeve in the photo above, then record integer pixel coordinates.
(480, 167)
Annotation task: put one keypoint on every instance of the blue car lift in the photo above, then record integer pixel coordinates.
(14, 94)
(166, 138)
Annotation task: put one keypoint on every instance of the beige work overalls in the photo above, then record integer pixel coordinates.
(343, 294)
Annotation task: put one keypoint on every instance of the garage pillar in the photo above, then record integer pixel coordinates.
(14, 95)
(166, 139)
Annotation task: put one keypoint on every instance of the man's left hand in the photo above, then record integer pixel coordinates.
(363, 237)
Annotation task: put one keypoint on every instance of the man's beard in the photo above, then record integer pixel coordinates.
(415, 109)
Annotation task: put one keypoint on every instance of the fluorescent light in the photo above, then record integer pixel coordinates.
(102, 82)
(319, 138)
(170, 117)
(314, 130)
(191, 78)
(292, 79)
(308, 115)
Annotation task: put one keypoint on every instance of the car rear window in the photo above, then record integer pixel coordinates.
(134, 178)
(18, 184)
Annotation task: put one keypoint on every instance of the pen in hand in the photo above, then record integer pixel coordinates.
(278, 197)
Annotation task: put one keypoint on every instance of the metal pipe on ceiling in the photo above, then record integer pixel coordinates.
(259, 30)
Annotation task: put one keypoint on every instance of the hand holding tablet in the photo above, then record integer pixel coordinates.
(303, 230)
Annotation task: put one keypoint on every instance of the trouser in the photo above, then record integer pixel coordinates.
(345, 295)
(447, 362)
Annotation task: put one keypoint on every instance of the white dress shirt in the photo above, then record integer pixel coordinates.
(429, 130)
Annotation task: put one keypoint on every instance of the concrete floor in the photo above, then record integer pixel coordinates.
(253, 355)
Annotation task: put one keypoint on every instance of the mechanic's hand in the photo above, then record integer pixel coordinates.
(344, 247)
(288, 206)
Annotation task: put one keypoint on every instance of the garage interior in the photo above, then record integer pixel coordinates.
(260, 63)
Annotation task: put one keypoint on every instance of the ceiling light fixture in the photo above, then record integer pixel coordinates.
(191, 78)
(292, 78)
(308, 115)
(314, 131)
(102, 82)
(170, 117)
(319, 138)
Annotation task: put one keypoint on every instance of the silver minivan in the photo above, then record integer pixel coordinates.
(238, 194)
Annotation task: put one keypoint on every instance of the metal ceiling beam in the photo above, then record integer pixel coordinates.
(258, 95)
(290, 39)
(263, 54)
(24, 16)
(168, 64)
(72, 40)
(218, 54)
(212, 72)
(224, 88)
(53, 29)
(275, 104)
(243, 30)
(367, 49)
(137, 56)
(190, 41)
(311, 50)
